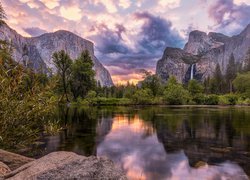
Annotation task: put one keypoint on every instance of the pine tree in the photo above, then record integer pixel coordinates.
(217, 82)
(63, 64)
(247, 61)
(83, 75)
(231, 73)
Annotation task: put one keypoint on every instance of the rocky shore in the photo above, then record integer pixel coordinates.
(57, 165)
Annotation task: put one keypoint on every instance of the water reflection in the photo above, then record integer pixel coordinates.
(133, 144)
(161, 142)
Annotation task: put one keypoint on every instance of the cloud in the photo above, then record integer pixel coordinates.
(34, 31)
(109, 41)
(229, 16)
(157, 33)
(71, 13)
(51, 3)
(123, 33)
(170, 3)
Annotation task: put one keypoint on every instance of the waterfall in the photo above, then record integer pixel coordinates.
(192, 72)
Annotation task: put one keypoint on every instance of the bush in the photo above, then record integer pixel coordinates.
(228, 99)
(243, 101)
(199, 99)
(142, 96)
(211, 99)
(175, 94)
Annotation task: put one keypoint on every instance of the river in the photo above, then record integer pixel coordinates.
(160, 142)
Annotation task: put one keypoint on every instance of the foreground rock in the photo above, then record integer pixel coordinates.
(13, 161)
(4, 169)
(67, 165)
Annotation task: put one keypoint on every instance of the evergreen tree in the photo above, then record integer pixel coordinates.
(247, 61)
(206, 84)
(174, 93)
(83, 75)
(231, 73)
(153, 83)
(217, 82)
(194, 87)
(63, 64)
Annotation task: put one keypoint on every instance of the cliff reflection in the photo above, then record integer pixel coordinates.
(133, 144)
(161, 142)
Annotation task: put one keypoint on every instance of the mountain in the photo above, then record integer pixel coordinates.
(37, 51)
(201, 54)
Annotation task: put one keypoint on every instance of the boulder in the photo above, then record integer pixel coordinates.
(12, 160)
(68, 165)
(4, 169)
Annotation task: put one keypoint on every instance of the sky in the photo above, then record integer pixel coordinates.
(129, 35)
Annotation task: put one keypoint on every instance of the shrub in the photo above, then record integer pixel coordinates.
(175, 94)
(142, 96)
(228, 99)
(211, 99)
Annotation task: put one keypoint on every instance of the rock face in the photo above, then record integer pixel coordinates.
(203, 52)
(68, 165)
(37, 51)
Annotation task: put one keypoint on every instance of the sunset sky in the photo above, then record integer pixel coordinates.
(129, 35)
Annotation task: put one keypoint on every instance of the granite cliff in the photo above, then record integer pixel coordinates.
(37, 51)
(198, 59)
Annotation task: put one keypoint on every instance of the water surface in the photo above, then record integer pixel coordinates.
(161, 142)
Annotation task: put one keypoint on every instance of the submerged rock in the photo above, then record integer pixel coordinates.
(68, 165)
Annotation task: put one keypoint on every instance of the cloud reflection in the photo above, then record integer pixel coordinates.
(133, 144)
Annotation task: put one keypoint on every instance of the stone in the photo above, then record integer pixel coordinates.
(68, 165)
(12, 160)
(4, 169)
(205, 51)
(36, 52)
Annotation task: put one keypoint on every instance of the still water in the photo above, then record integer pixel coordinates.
(161, 142)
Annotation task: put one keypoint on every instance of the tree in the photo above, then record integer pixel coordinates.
(217, 82)
(83, 75)
(231, 73)
(247, 61)
(63, 64)
(174, 93)
(195, 87)
(153, 83)
(142, 96)
(242, 84)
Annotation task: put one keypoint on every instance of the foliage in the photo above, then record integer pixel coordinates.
(175, 94)
(194, 87)
(247, 61)
(228, 99)
(242, 84)
(23, 111)
(211, 99)
(231, 73)
(217, 82)
(83, 75)
(63, 64)
(153, 83)
(142, 96)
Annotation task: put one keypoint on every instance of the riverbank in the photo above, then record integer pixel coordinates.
(57, 165)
